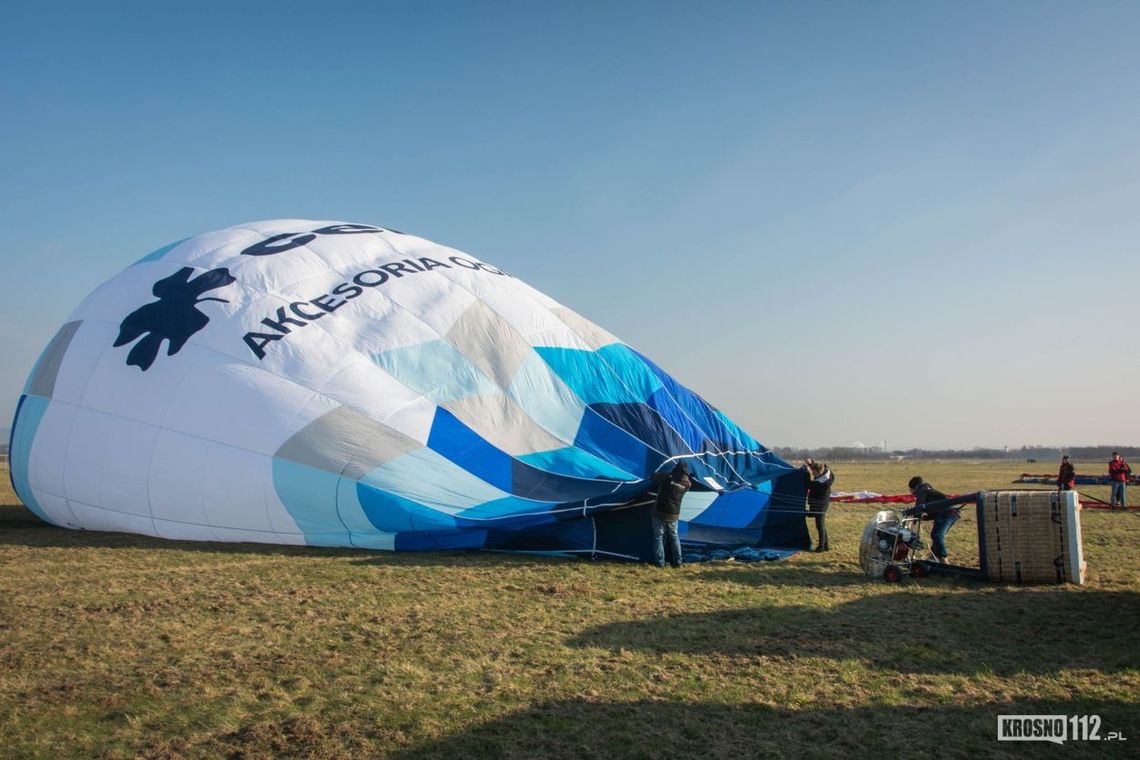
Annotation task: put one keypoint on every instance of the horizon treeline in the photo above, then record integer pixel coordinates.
(1030, 454)
(853, 453)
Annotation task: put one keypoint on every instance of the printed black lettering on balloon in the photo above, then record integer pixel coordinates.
(287, 241)
(174, 317)
(300, 313)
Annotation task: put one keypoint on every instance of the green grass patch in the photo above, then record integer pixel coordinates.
(120, 646)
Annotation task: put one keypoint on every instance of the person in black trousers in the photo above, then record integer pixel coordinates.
(818, 499)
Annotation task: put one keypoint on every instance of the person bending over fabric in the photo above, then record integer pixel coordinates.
(1066, 476)
(818, 500)
(944, 517)
(671, 487)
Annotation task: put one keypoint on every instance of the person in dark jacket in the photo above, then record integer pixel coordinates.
(671, 488)
(944, 517)
(820, 479)
(1118, 472)
(1066, 476)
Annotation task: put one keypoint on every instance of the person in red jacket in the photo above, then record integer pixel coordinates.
(1118, 472)
(1067, 476)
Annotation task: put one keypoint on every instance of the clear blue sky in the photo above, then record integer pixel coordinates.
(911, 222)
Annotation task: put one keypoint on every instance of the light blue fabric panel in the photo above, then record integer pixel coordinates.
(310, 496)
(41, 381)
(426, 478)
(627, 364)
(695, 503)
(362, 530)
(156, 255)
(510, 513)
(576, 463)
(546, 399)
(597, 378)
(29, 412)
(394, 514)
(437, 370)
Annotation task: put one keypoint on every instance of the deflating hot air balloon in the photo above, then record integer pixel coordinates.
(333, 384)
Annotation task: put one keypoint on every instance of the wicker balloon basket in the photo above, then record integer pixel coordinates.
(1031, 537)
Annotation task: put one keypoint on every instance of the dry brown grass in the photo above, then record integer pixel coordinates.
(122, 646)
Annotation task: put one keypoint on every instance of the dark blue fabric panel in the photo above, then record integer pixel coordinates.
(455, 441)
(576, 535)
(601, 438)
(626, 531)
(736, 509)
(782, 533)
(645, 424)
(758, 519)
(755, 467)
(703, 415)
(532, 483)
(429, 541)
(677, 418)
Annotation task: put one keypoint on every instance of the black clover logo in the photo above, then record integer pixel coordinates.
(173, 317)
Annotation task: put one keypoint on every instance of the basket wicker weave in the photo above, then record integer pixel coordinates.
(1031, 537)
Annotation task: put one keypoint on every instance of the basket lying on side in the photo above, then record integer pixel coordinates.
(1031, 537)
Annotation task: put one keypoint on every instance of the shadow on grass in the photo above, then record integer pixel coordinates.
(999, 632)
(644, 729)
(783, 573)
(20, 527)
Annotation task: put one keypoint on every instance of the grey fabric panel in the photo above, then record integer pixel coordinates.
(503, 423)
(594, 336)
(346, 442)
(489, 342)
(47, 369)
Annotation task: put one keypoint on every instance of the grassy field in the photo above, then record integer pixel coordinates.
(118, 646)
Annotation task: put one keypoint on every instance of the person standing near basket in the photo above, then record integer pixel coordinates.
(1066, 476)
(1118, 472)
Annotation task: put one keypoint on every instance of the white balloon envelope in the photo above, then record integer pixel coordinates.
(334, 384)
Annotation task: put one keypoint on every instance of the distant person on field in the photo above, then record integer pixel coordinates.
(671, 487)
(820, 479)
(944, 517)
(1118, 472)
(1066, 476)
